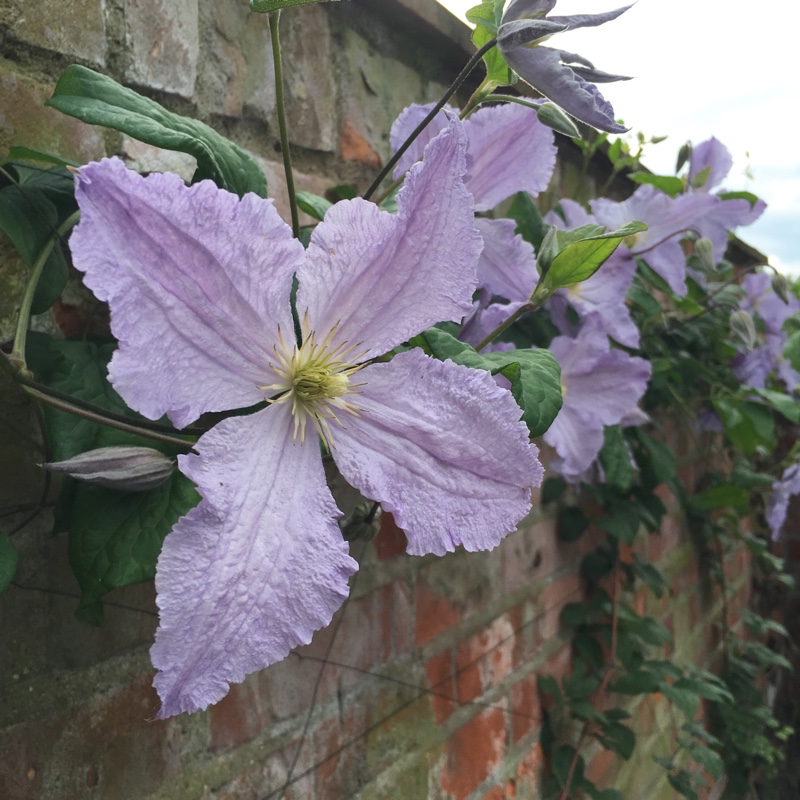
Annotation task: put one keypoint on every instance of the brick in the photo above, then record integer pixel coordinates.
(473, 751)
(340, 754)
(529, 773)
(552, 600)
(354, 147)
(25, 120)
(487, 658)
(403, 621)
(391, 541)
(531, 553)
(525, 707)
(240, 716)
(74, 28)
(433, 613)
(163, 38)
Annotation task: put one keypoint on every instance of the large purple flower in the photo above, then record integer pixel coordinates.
(600, 387)
(566, 78)
(198, 282)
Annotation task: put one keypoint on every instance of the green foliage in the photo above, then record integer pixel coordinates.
(33, 204)
(313, 205)
(486, 18)
(99, 100)
(115, 537)
(534, 374)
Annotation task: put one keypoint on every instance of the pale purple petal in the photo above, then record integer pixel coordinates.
(383, 278)
(410, 117)
(753, 368)
(485, 319)
(604, 294)
(541, 67)
(573, 215)
(760, 298)
(782, 492)
(507, 266)
(589, 20)
(197, 281)
(509, 151)
(667, 219)
(518, 9)
(710, 153)
(718, 222)
(600, 387)
(252, 571)
(448, 456)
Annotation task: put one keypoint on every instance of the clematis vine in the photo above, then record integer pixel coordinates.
(565, 78)
(783, 490)
(198, 282)
(600, 387)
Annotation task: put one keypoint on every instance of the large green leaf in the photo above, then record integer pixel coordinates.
(748, 425)
(530, 224)
(616, 459)
(115, 537)
(99, 100)
(535, 375)
(668, 184)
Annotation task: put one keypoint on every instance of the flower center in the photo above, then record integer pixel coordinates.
(315, 379)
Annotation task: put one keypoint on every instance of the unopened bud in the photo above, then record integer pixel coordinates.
(684, 154)
(363, 523)
(743, 328)
(705, 252)
(548, 250)
(781, 287)
(131, 469)
(551, 115)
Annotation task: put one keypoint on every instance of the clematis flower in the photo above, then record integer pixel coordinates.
(667, 220)
(600, 387)
(565, 78)
(198, 282)
(760, 298)
(782, 492)
(508, 151)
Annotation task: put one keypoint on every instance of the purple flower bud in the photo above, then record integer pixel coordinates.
(743, 328)
(130, 469)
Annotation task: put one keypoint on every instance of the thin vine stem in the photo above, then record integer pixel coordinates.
(520, 312)
(23, 320)
(274, 21)
(451, 90)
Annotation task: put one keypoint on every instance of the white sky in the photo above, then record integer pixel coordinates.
(703, 68)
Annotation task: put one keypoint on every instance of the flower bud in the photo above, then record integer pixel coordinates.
(705, 252)
(131, 469)
(361, 523)
(551, 115)
(743, 328)
(781, 287)
(684, 154)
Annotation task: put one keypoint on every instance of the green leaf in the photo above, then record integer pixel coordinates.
(782, 403)
(616, 459)
(618, 738)
(115, 537)
(622, 522)
(668, 184)
(749, 196)
(581, 252)
(572, 523)
(314, 205)
(30, 219)
(530, 224)
(708, 759)
(486, 19)
(743, 475)
(535, 375)
(682, 783)
(748, 425)
(268, 6)
(686, 701)
(638, 682)
(8, 561)
(548, 685)
(562, 762)
(98, 100)
(552, 490)
(21, 153)
(726, 495)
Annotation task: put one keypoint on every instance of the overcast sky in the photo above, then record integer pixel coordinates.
(708, 68)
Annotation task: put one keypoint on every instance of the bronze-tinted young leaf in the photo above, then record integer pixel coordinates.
(99, 100)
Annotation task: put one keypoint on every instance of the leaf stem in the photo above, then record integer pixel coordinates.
(101, 419)
(21, 333)
(452, 89)
(274, 20)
